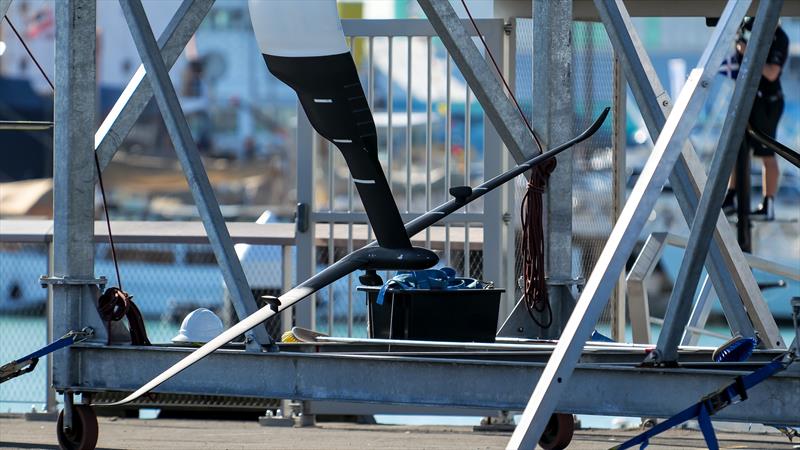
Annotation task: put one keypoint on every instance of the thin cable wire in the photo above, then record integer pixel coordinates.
(108, 221)
(22, 41)
(502, 78)
(96, 160)
(534, 291)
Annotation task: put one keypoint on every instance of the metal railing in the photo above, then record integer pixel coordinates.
(647, 261)
(169, 269)
(411, 105)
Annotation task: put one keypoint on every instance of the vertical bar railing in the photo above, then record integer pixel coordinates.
(367, 38)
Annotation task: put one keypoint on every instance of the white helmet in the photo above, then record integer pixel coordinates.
(199, 326)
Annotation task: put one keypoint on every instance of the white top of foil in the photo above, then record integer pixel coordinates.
(297, 27)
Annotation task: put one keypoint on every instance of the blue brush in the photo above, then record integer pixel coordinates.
(736, 349)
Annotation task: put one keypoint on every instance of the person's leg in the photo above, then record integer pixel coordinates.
(729, 203)
(770, 177)
(768, 124)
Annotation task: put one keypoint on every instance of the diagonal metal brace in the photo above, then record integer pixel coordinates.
(733, 281)
(192, 165)
(137, 94)
(702, 227)
(625, 233)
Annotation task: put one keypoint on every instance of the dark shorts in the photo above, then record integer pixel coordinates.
(764, 117)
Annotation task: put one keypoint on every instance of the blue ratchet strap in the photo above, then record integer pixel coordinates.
(709, 405)
(27, 363)
(444, 278)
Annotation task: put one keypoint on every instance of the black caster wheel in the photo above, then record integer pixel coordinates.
(558, 433)
(83, 434)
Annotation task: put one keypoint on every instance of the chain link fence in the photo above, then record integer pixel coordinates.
(167, 281)
(23, 322)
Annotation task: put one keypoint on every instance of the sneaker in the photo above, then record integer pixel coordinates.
(729, 204)
(765, 211)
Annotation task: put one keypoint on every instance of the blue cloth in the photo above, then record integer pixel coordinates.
(444, 278)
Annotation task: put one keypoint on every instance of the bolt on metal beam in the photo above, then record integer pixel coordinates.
(625, 233)
(192, 165)
(702, 228)
(137, 94)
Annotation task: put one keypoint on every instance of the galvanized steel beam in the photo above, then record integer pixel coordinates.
(305, 225)
(137, 95)
(73, 177)
(551, 386)
(639, 305)
(702, 227)
(700, 313)
(192, 165)
(553, 115)
(435, 382)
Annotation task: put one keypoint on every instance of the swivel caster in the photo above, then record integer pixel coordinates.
(558, 433)
(83, 433)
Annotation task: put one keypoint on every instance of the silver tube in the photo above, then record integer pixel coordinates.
(428, 139)
(467, 178)
(389, 111)
(448, 144)
(331, 249)
(409, 105)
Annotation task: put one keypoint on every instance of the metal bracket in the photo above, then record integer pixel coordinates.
(82, 335)
(46, 281)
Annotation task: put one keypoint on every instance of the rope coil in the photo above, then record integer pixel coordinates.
(115, 304)
(534, 290)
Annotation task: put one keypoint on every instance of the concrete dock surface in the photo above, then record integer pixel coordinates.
(117, 433)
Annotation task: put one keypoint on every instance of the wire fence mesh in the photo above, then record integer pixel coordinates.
(23, 323)
(167, 281)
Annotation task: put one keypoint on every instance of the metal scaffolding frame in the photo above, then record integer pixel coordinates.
(725, 261)
(88, 366)
(626, 231)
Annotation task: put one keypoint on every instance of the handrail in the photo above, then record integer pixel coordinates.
(756, 262)
(646, 262)
(140, 232)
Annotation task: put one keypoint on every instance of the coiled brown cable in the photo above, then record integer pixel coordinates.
(534, 290)
(115, 304)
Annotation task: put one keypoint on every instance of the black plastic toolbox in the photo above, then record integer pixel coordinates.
(459, 315)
